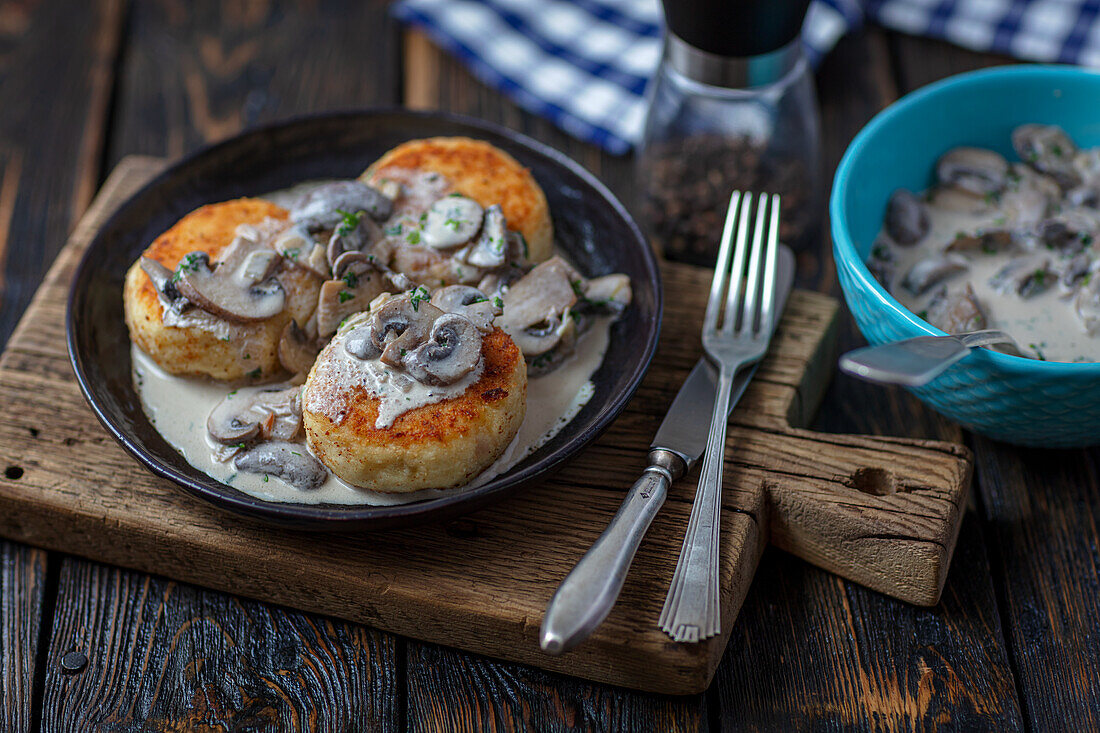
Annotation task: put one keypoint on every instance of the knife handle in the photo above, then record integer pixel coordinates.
(588, 593)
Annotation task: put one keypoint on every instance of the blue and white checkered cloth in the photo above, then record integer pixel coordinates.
(584, 64)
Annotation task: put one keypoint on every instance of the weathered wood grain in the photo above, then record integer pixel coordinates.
(134, 652)
(22, 590)
(401, 585)
(56, 61)
(197, 72)
(451, 691)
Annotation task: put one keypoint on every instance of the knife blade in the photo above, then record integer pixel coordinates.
(588, 593)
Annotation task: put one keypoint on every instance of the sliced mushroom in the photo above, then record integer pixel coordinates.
(1024, 276)
(496, 283)
(451, 221)
(1029, 196)
(249, 414)
(298, 247)
(973, 169)
(470, 303)
(161, 278)
(906, 218)
(607, 294)
(451, 352)
(359, 344)
(883, 264)
(229, 290)
(490, 249)
(1069, 233)
(288, 461)
(297, 349)
(402, 324)
(986, 241)
(931, 270)
(352, 237)
(1075, 272)
(1048, 149)
(952, 198)
(321, 208)
(536, 306)
(341, 298)
(956, 313)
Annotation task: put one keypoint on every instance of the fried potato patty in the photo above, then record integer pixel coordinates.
(244, 349)
(486, 174)
(433, 446)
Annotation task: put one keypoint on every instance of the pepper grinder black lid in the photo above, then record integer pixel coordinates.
(736, 28)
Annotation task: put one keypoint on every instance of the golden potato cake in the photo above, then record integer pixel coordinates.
(240, 349)
(433, 446)
(486, 174)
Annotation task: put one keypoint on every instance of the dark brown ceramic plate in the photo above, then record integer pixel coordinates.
(590, 225)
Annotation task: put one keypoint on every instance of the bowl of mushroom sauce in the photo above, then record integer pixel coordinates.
(974, 203)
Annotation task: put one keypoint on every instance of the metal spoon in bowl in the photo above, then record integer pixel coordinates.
(917, 361)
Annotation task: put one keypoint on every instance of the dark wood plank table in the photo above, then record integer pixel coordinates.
(1012, 645)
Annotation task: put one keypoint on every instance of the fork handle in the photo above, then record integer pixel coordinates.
(691, 611)
(588, 593)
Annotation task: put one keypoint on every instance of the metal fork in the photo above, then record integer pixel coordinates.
(745, 300)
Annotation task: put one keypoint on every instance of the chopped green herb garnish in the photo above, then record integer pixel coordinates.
(1038, 352)
(349, 223)
(1056, 149)
(351, 279)
(403, 352)
(1039, 276)
(395, 230)
(292, 253)
(453, 223)
(523, 241)
(413, 237)
(255, 372)
(239, 445)
(248, 356)
(344, 296)
(923, 315)
(419, 295)
(478, 299)
(265, 478)
(498, 302)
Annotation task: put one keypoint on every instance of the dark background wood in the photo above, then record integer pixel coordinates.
(1012, 645)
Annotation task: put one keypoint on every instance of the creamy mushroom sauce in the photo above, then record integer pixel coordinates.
(1005, 226)
(179, 406)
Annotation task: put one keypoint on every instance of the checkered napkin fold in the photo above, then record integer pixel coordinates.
(584, 64)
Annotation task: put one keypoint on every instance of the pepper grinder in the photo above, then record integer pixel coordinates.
(732, 106)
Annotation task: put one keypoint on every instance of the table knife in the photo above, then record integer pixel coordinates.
(587, 594)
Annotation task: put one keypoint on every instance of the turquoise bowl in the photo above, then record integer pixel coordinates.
(1017, 400)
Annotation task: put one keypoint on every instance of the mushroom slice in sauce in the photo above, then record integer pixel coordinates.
(288, 461)
(1048, 149)
(607, 294)
(232, 290)
(490, 249)
(451, 352)
(931, 270)
(956, 312)
(906, 218)
(989, 242)
(322, 207)
(536, 307)
(341, 298)
(359, 344)
(401, 324)
(1075, 272)
(470, 303)
(451, 221)
(248, 414)
(298, 247)
(975, 170)
(1024, 276)
(354, 234)
(952, 198)
(297, 348)
(1070, 232)
(161, 278)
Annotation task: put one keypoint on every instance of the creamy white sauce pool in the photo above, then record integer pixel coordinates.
(1044, 325)
(179, 406)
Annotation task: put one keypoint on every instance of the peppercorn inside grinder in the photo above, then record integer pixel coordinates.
(732, 106)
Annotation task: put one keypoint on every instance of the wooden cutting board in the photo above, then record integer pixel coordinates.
(883, 512)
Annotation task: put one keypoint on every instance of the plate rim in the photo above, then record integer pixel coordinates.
(342, 516)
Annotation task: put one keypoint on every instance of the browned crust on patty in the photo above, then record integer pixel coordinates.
(486, 174)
